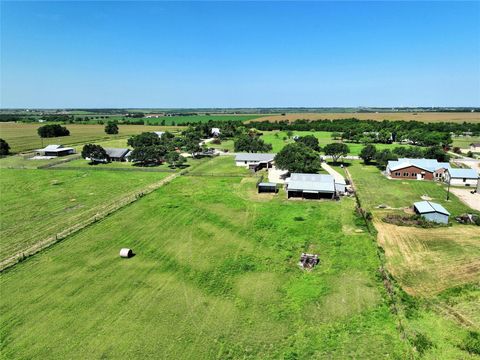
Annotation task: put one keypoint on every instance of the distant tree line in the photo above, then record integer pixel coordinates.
(381, 157)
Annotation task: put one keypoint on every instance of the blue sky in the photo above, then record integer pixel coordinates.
(239, 54)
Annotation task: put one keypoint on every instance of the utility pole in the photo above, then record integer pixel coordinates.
(448, 189)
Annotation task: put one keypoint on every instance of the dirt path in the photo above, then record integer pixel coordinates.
(118, 204)
(472, 200)
(336, 175)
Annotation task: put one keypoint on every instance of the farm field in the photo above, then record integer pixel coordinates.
(420, 116)
(37, 204)
(214, 276)
(180, 120)
(324, 137)
(23, 137)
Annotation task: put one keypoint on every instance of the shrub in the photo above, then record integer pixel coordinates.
(4, 147)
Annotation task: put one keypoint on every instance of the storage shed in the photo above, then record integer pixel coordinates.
(267, 187)
(311, 186)
(126, 253)
(55, 150)
(432, 211)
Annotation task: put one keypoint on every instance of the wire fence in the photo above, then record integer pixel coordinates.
(101, 214)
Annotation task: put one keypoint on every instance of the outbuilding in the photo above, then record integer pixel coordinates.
(311, 186)
(432, 211)
(461, 177)
(267, 187)
(55, 150)
(254, 161)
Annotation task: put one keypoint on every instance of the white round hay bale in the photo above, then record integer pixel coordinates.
(126, 253)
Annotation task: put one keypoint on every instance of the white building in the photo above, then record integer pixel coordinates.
(215, 131)
(253, 160)
(461, 177)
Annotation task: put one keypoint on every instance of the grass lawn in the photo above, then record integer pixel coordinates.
(23, 137)
(37, 204)
(25, 162)
(464, 142)
(375, 189)
(215, 276)
(225, 145)
(276, 138)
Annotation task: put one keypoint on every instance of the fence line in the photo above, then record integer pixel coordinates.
(53, 167)
(109, 209)
(387, 281)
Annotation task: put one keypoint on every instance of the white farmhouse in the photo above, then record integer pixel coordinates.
(461, 177)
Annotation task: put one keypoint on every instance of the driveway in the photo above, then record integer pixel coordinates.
(472, 200)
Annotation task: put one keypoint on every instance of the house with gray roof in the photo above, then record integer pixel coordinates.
(462, 177)
(431, 211)
(117, 154)
(254, 161)
(417, 169)
(311, 186)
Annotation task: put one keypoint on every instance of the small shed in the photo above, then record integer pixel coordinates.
(126, 253)
(267, 187)
(432, 211)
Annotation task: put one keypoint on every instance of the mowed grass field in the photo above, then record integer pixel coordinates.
(425, 261)
(37, 204)
(23, 137)
(215, 276)
(420, 116)
(276, 138)
(464, 142)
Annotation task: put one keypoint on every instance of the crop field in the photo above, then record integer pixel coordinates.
(420, 116)
(23, 137)
(40, 203)
(279, 139)
(215, 275)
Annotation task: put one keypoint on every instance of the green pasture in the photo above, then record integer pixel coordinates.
(279, 139)
(465, 141)
(23, 137)
(36, 204)
(215, 275)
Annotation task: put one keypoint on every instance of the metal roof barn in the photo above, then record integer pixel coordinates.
(432, 211)
(311, 186)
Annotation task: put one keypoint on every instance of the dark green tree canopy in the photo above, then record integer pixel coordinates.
(383, 156)
(368, 153)
(52, 130)
(94, 152)
(174, 159)
(144, 139)
(148, 155)
(4, 147)
(336, 150)
(251, 144)
(111, 127)
(298, 158)
(311, 141)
